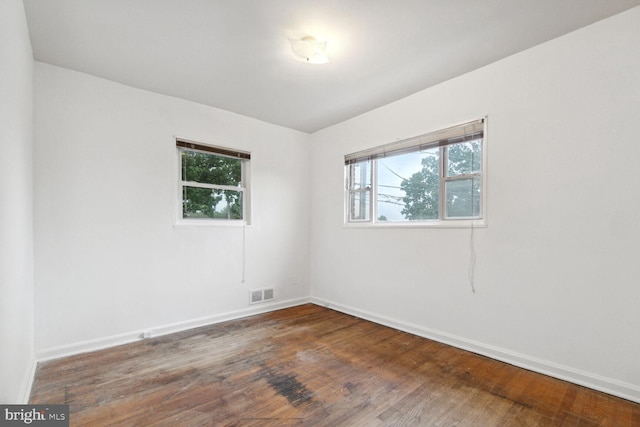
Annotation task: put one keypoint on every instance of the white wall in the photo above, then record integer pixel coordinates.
(557, 266)
(109, 261)
(16, 204)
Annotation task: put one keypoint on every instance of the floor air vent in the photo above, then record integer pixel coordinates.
(260, 295)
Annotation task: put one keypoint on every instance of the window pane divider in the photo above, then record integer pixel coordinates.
(461, 177)
(443, 162)
(373, 195)
(211, 186)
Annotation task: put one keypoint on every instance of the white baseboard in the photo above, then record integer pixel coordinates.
(607, 385)
(114, 340)
(25, 391)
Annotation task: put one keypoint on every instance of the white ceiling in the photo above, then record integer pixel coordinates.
(234, 54)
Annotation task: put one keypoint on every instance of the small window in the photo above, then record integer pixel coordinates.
(212, 183)
(432, 179)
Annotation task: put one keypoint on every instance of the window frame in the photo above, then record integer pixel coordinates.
(244, 189)
(443, 220)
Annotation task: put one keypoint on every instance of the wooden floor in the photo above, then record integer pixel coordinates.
(311, 366)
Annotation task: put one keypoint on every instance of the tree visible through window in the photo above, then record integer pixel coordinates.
(422, 189)
(212, 184)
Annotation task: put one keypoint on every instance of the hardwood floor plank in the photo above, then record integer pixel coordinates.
(309, 365)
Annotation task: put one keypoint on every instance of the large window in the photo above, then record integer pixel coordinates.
(212, 183)
(435, 178)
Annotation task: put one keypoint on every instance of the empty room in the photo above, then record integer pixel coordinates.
(323, 213)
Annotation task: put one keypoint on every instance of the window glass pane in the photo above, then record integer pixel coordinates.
(359, 205)
(407, 186)
(360, 191)
(211, 204)
(360, 175)
(464, 158)
(211, 169)
(463, 198)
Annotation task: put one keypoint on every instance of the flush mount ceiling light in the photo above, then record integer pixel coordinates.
(309, 50)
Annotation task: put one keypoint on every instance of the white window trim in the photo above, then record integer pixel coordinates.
(181, 222)
(436, 223)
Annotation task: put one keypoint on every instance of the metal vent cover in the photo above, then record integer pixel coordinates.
(261, 295)
(255, 296)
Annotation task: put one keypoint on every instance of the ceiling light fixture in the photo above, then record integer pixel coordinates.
(309, 50)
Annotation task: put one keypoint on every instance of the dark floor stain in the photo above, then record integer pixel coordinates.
(350, 387)
(287, 386)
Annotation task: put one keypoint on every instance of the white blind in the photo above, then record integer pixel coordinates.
(453, 135)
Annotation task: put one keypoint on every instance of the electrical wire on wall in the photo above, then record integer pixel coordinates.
(472, 250)
(244, 251)
(472, 259)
